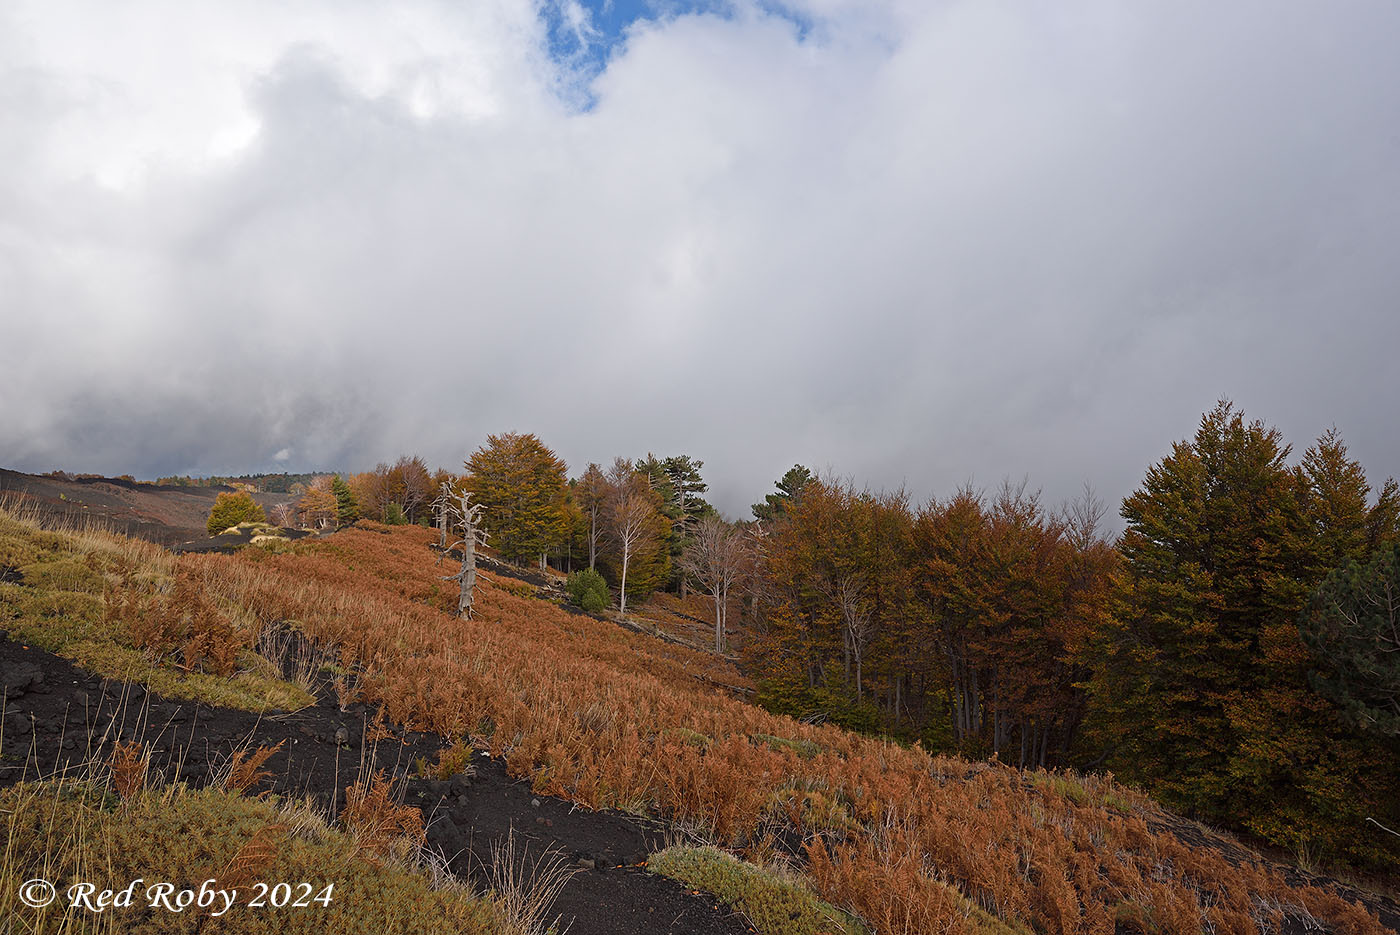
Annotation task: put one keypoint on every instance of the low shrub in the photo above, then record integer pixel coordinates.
(588, 590)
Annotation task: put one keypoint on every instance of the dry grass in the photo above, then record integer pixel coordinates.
(908, 841)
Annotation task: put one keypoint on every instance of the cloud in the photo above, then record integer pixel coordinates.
(915, 242)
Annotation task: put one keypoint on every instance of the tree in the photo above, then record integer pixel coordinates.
(1352, 624)
(346, 509)
(716, 557)
(317, 504)
(230, 509)
(1205, 678)
(635, 522)
(521, 486)
(591, 493)
(460, 511)
(789, 487)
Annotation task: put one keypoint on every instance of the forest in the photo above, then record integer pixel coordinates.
(1234, 652)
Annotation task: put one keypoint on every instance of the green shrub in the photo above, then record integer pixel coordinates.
(588, 590)
(394, 515)
(230, 509)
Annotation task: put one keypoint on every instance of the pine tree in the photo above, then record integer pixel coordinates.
(346, 510)
(789, 488)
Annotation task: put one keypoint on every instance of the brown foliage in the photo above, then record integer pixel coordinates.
(128, 763)
(372, 815)
(245, 770)
(600, 715)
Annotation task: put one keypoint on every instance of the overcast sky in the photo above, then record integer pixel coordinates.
(915, 243)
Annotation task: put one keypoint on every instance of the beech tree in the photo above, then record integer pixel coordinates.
(716, 557)
(634, 519)
(521, 485)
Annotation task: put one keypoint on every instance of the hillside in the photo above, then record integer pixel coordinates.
(559, 710)
(165, 514)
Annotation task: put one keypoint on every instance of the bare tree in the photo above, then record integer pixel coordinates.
(631, 514)
(592, 498)
(716, 557)
(855, 622)
(457, 509)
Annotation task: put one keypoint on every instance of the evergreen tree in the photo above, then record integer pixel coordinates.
(1353, 626)
(347, 511)
(789, 488)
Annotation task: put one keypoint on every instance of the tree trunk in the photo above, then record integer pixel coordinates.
(622, 591)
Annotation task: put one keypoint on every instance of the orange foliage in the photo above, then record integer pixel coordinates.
(599, 715)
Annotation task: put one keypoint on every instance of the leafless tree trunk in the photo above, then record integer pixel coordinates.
(457, 506)
(716, 557)
(630, 511)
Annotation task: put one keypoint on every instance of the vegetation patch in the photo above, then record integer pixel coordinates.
(803, 748)
(776, 902)
(129, 610)
(81, 832)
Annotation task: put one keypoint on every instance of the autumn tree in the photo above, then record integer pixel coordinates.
(716, 557)
(230, 509)
(521, 486)
(317, 504)
(636, 527)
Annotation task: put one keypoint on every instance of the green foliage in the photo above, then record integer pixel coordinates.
(1203, 682)
(230, 509)
(588, 590)
(776, 903)
(789, 487)
(72, 603)
(1353, 626)
(346, 509)
(805, 749)
(522, 486)
(76, 832)
(394, 515)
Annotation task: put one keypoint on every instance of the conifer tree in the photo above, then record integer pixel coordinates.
(347, 511)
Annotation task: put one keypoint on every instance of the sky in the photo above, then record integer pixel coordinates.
(906, 243)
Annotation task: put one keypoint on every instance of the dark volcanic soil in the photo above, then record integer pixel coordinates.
(57, 715)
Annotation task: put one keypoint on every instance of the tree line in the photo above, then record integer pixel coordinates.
(1235, 650)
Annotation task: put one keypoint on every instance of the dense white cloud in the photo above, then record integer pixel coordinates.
(914, 242)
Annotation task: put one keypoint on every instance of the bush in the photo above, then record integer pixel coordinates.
(588, 590)
(394, 515)
(230, 509)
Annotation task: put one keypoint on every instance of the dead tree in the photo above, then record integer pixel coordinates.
(458, 509)
(441, 507)
(716, 556)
